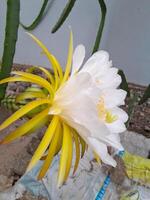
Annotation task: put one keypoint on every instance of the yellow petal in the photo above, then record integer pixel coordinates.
(77, 147)
(44, 143)
(22, 111)
(26, 127)
(69, 59)
(29, 95)
(51, 153)
(55, 64)
(36, 79)
(64, 155)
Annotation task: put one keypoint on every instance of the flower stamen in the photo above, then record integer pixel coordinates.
(110, 118)
(101, 109)
(104, 114)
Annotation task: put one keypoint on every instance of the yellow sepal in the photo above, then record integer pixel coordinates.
(70, 153)
(47, 73)
(64, 155)
(43, 122)
(22, 111)
(14, 79)
(23, 79)
(55, 64)
(44, 143)
(77, 147)
(36, 79)
(22, 130)
(51, 153)
(59, 143)
(29, 95)
(83, 146)
(69, 59)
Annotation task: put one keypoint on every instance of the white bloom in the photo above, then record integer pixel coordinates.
(89, 102)
(84, 108)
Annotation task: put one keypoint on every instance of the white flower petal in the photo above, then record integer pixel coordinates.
(116, 127)
(114, 141)
(82, 131)
(75, 85)
(114, 97)
(101, 57)
(78, 57)
(120, 113)
(109, 80)
(82, 110)
(97, 64)
(73, 102)
(101, 150)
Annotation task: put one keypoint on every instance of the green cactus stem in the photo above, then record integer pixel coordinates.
(11, 32)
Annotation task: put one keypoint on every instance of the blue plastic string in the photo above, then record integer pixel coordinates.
(106, 183)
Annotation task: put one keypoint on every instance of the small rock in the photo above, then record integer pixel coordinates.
(142, 114)
(5, 182)
(147, 128)
(21, 163)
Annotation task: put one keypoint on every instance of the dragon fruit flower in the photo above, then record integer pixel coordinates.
(82, 108)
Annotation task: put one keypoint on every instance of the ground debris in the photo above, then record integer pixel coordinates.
(5, 182)
(29, 196)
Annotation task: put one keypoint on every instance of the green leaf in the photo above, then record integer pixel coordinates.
(124, 84)
(38, 19)
(11, 34)
(64, 15)
(146, 95)
(103, 11)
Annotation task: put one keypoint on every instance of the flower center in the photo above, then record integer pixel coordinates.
(105, 114)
